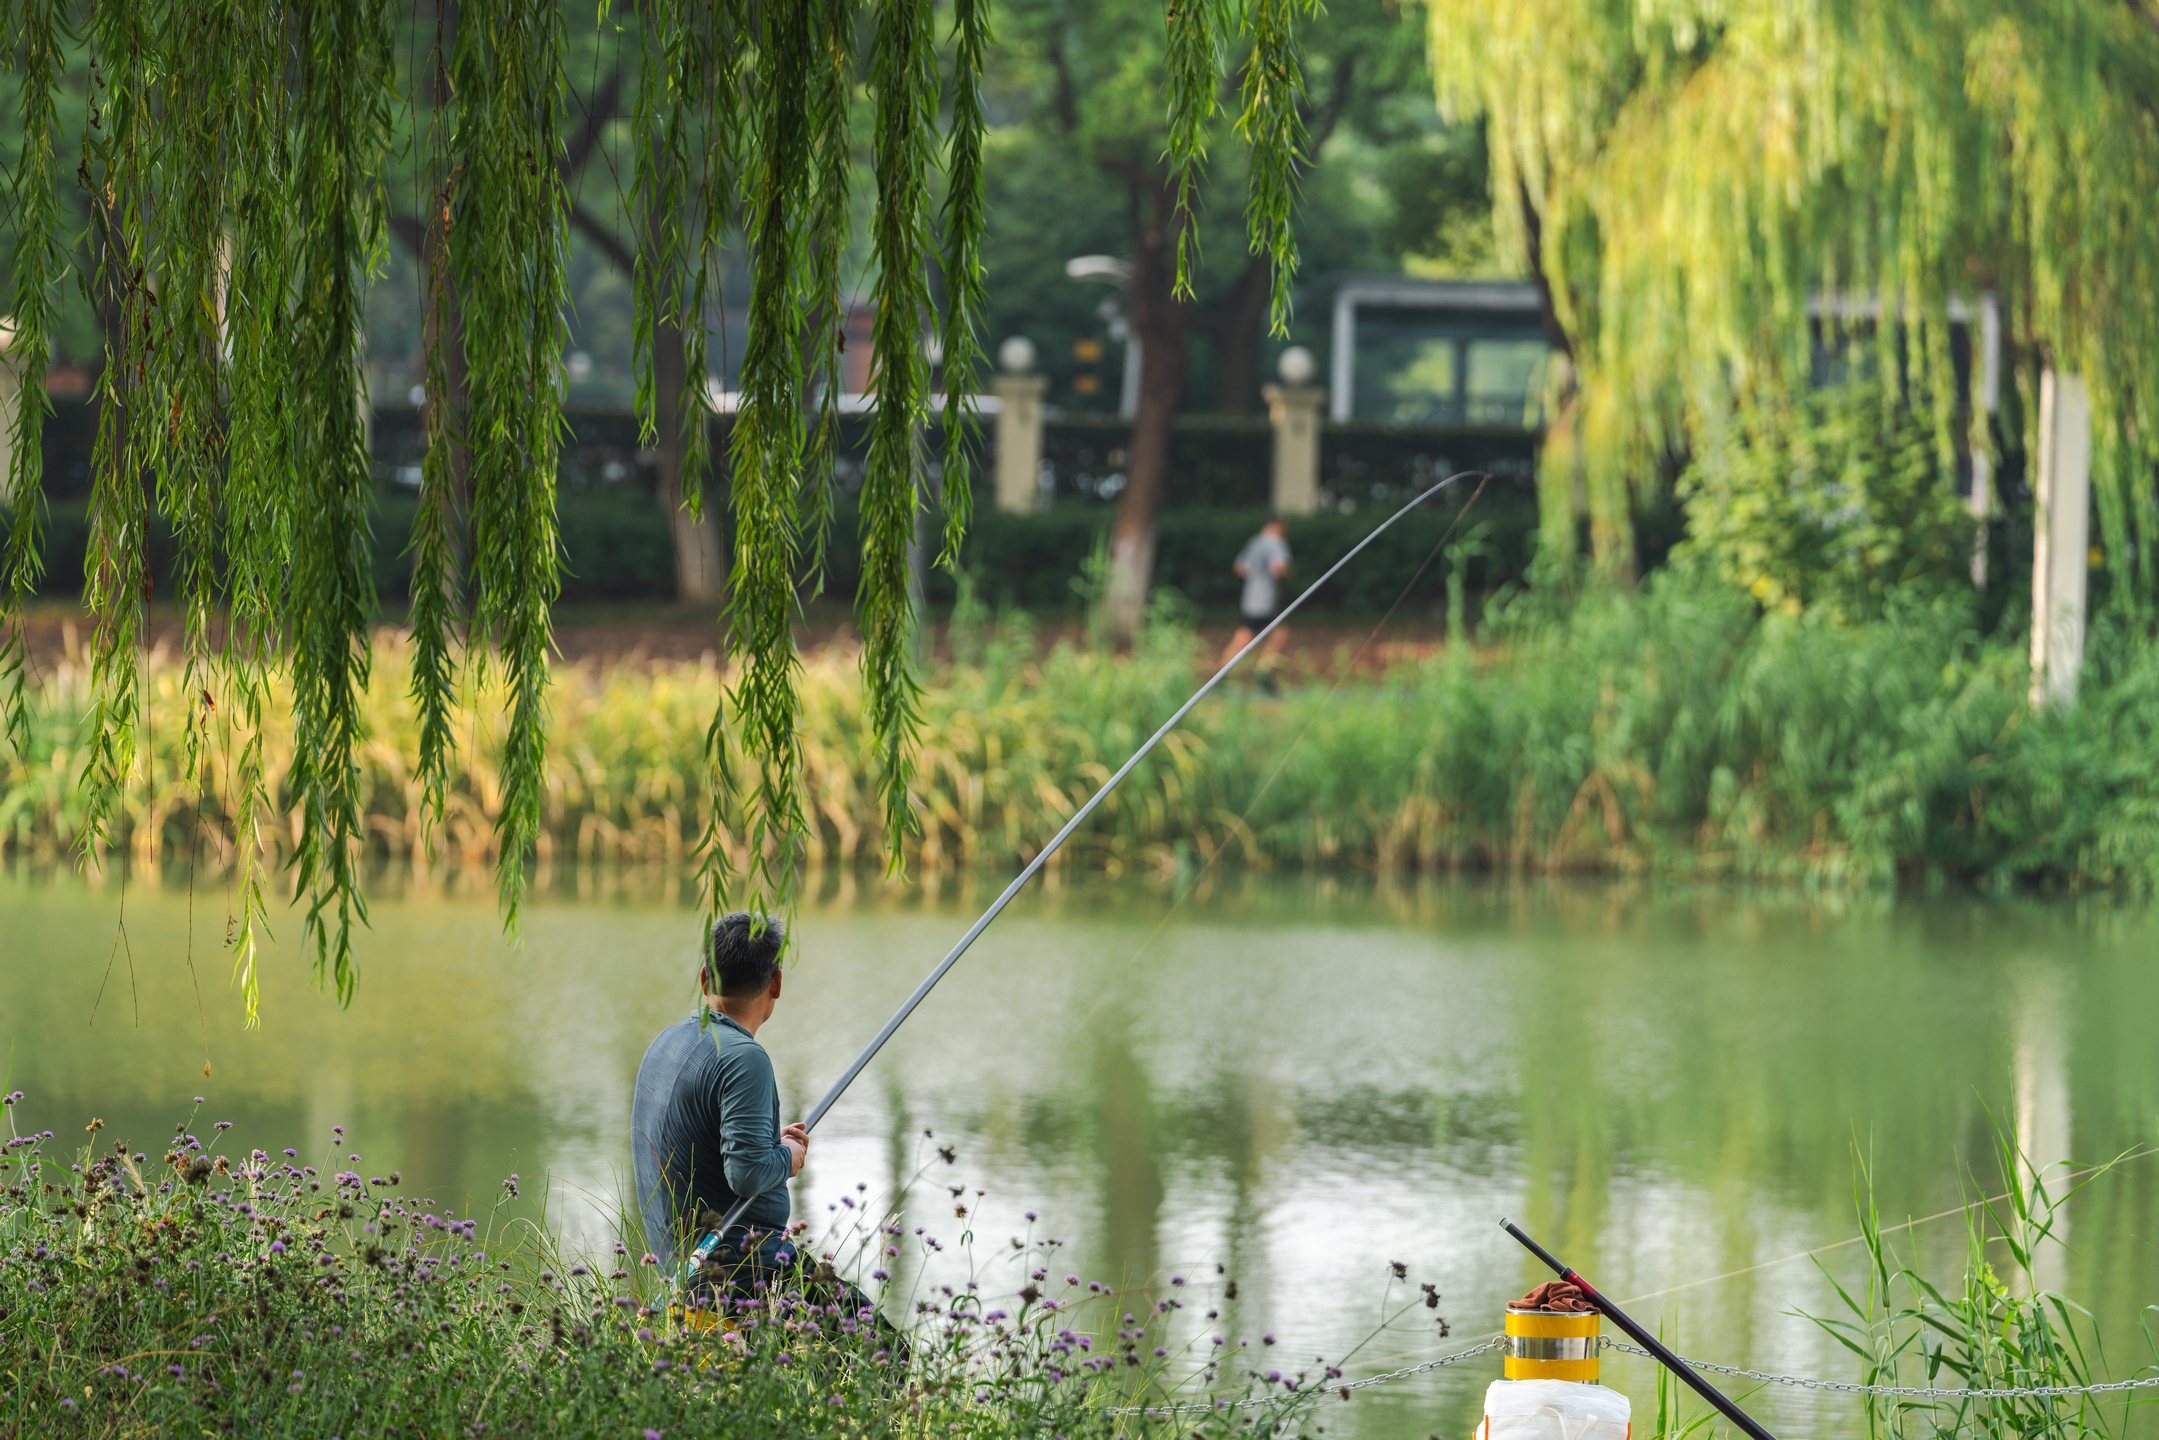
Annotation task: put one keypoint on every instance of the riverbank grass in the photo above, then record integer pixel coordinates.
(1677, 731)
(191, 1292)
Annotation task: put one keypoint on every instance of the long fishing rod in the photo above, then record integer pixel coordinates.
(1642, 1337)
(1079, 818)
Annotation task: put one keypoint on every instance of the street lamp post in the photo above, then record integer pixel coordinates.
(1113, 271)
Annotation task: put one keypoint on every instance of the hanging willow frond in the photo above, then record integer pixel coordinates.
(511, 218)
(342, 120)
(1272, 123)
(260, 512)
(1193, 76)
(234, 172)
(903, 80)
(767, 446)
(117, 579)
(37, 34)
(825, 324)
(437, 524)
(1688, 178)
(965, 224)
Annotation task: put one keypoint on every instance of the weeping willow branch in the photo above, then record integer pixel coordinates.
(260, 503)
(343, 125)
(965, 223)
(1691, 177)
(117, 580)
(767, 449)
(437, 599)
(39, 263)
(903, 78)
(829, 93)
(1194, 73)
(1272, 123)
(234, 164)
(511, 212)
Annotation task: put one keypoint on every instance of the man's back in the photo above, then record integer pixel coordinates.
(705, 1129)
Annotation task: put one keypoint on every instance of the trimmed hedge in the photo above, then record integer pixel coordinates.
(616, 547)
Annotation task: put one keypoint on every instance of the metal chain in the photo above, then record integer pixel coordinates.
(1801, 1382)
(1330, 1388)
(1914, 1392)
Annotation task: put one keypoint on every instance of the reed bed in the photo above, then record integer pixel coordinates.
(1675, 731)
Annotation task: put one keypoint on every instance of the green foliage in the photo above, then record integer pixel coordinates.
(1441, 191)
(40, 261)
(236, 163)
(206, 1293)
(1998, 1328)
(1124, 138)
(506, 242)
(1677, 732)
(1839, 501)
(1683, 177)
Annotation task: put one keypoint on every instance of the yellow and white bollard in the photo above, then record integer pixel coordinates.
(1552, 1344)
(1551, 1390)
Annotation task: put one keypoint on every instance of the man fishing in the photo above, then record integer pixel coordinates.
(705, 1119)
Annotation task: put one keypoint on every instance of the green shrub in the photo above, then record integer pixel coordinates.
(1838, 500)
(1678, 730)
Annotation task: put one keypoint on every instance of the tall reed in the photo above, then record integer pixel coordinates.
(1997, 1327)
(1674, 731)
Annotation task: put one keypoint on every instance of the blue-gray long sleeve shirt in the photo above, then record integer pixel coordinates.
(705, 1129)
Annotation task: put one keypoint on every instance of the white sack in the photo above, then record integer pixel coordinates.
(1554, 1410)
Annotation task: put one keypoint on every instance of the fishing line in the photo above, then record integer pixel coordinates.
(1079, 818)
(1241, 829)
(1854, 1240)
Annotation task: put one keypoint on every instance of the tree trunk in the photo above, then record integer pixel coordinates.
(1562, 491)
(1162, 325)
(700, 555)
(1237, 339)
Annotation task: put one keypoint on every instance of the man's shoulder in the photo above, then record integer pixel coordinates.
(671, 1049)
(738, 1049)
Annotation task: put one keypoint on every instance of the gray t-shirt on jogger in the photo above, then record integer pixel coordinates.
(1260, 555)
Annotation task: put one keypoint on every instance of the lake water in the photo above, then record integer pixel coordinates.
(1298, 1081)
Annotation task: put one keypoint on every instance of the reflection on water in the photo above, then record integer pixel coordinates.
(1296, 1082)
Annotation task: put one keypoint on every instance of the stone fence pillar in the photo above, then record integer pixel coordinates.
(1293, 407)
(1019, 427)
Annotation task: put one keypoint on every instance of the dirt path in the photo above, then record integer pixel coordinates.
(633, 634)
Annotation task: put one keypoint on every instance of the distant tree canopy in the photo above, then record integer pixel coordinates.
(1683, 177)
(1086, 82)
(230, 169)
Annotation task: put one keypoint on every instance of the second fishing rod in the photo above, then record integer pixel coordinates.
(1064, 833)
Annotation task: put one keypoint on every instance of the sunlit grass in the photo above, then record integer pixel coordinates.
(1677, 731)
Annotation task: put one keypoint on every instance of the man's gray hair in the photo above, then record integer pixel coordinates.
(743, 952)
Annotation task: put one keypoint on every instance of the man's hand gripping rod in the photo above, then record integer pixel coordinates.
(899, 1016)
